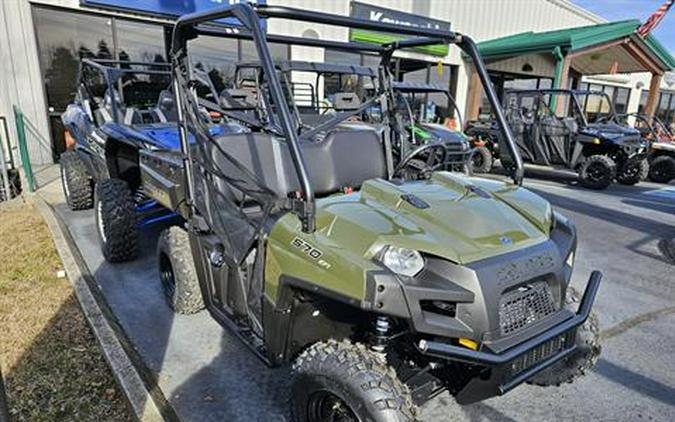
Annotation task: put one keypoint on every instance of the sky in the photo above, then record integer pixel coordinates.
(615, 10)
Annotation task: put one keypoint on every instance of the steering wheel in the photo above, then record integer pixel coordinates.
(436, 157)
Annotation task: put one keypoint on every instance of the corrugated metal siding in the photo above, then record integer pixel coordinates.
(20, 80)
(481, 19)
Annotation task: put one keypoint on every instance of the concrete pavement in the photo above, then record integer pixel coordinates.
(206, 374)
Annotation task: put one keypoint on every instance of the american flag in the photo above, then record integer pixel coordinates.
(654, 19)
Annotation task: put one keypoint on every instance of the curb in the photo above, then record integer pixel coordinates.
(128, 378)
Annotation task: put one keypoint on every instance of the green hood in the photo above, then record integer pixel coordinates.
(467, 219)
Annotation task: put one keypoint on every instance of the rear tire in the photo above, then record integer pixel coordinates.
(597, 172)
(334, 379)
(580, 361)
(115, 215)
(177, 272)
(76, 181)
(632, 172)
(481, 160)
(662, 169)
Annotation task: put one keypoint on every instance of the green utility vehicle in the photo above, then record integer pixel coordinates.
(380, 288)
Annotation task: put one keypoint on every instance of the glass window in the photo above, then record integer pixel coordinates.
(643, 101)
(370, 61)
(342, 57)
(545, 83)
(621, 99)
(437, 101)
(217, 57)
(140, 42)
(249, 53)
(63, 38)
(664, 106)
(521, 84)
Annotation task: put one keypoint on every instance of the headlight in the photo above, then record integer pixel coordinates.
(407, 262)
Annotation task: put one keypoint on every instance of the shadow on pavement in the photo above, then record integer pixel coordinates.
(654, 228)
(235, 386)
(636, 382)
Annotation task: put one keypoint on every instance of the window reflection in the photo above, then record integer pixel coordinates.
(140, 42)
(63, 38)
(217, 57)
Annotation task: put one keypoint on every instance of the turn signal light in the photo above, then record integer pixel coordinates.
(468, 343)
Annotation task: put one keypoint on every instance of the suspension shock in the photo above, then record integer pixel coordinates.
(382, 328)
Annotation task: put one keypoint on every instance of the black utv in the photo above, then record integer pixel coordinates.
(661, 145)
(552, 129)
(378, 286)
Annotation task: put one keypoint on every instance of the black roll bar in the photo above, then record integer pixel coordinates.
(469, 47)
(187, 27)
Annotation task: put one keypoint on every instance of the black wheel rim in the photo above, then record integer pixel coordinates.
(166, 275)
(597, 172)
(477, 160)
(631, 170)
(324, 406)
(660, 171)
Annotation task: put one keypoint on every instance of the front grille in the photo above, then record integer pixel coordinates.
(524, 305)
(541, 353)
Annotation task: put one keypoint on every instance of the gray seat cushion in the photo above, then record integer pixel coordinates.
(344, 158)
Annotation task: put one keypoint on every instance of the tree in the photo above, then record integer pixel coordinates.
(60, 78)
(103, 51)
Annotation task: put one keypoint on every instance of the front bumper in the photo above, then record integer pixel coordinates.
(501, 378)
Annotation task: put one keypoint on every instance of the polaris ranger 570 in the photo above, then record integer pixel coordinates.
(380, 288)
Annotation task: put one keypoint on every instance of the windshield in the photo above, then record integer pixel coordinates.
(597, 105)
(124, 92)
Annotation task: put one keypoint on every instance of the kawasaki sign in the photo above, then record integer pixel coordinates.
(396, 17)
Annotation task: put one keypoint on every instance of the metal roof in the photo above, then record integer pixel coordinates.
(573, 39)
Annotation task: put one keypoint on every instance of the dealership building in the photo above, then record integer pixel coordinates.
(525, 43)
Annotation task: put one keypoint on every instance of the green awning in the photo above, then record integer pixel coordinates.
(573, 39)
(440, 50)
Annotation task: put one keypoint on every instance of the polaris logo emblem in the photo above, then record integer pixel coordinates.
(505, 240)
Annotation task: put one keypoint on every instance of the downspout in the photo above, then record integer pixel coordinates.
(557, 78)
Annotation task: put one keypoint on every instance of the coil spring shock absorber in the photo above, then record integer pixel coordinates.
(382, 328)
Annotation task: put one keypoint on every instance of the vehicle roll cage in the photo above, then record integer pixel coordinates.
(651, 122)
(112, 70)
(428, 88)
(320, 69)
(573, 93)
(191, 25)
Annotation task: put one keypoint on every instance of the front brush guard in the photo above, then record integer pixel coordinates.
(500, 379)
